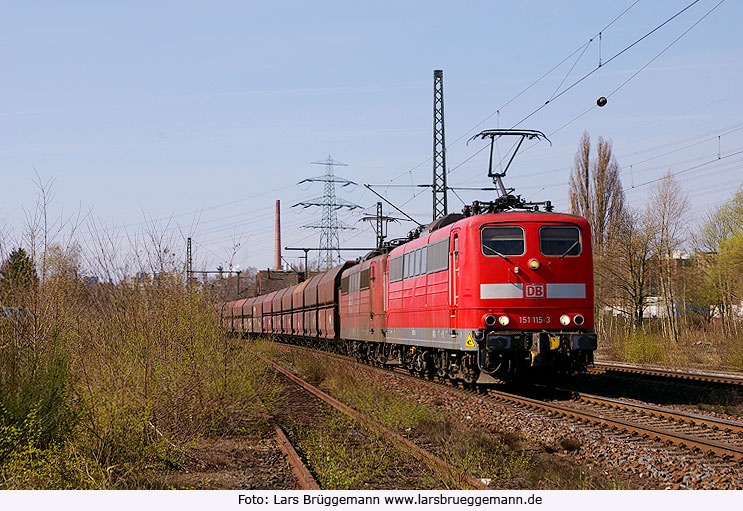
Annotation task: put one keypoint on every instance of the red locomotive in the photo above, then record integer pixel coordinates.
(499, 291)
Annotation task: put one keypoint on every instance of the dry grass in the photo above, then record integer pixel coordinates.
(345, 456)
(700, 346)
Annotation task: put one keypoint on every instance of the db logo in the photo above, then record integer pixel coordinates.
(535, 290)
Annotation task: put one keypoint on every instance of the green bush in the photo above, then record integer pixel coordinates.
(641, 347)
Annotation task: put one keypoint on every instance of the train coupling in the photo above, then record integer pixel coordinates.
(497, 341)
(583, 342)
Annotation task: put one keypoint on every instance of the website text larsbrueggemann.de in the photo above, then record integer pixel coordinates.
(404, 500)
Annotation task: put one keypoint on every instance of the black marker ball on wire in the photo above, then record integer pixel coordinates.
(601, 101)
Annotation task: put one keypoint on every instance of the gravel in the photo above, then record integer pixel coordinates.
(632, 461)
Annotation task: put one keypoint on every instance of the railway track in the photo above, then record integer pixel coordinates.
(304, 478)
(711, 435)
(436, 464)
(693, 431)
(696, 377)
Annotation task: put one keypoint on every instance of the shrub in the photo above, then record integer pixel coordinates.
(114, 379)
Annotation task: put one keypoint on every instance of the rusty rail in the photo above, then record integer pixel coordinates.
(304, 477)
(725, 379)
(660, 411)
(436, 464)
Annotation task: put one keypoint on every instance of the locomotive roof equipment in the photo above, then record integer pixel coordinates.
(506, 201)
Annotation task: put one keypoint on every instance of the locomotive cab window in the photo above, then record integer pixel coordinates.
(502, 240)
(559, 240)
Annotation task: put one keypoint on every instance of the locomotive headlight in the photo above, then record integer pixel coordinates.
(504, 320)
(579, 320)
(534, 264)
(564, 320)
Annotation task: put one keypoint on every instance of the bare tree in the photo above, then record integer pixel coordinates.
(42, 230)
(579, 196)
(596, 190)
(104, 254)
(666, 213)
(627, 264)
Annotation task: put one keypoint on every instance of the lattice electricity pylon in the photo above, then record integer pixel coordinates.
(329, 225)
(439, 147)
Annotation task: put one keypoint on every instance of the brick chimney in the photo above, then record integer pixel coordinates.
(277, 262)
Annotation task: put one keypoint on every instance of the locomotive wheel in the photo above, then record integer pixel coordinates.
(442, 364)
(364, 351)
(468, 371)
(421, 362)
(383, 353)
(374, 355)
(406, 358)
(431, 359)
(371, 353)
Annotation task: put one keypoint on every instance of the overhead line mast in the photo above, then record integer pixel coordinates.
(439, 147)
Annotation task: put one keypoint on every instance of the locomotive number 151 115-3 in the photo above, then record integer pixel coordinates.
(534, 320)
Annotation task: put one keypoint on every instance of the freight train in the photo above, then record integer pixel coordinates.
(488, 296)
(502, 291)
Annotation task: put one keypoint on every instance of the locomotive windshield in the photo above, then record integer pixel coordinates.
(559, 240)
(503, 240)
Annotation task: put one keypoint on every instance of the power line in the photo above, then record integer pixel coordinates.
(198, 210)
(687, 170)
(583, 47)
(625, 49)
(716, 132)
(680, 149)
(729, 129)
(667, 47)
(725, 130)
(633, 75)
(613, 57)
(636, 72)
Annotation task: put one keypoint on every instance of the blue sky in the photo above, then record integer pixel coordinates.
(201, 115)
